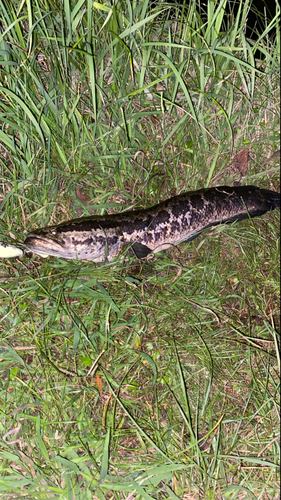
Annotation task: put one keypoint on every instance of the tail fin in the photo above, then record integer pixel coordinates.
(272, 197)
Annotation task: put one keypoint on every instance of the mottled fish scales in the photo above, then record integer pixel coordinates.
(181, 218)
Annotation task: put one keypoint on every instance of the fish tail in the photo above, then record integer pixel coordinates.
(272, 197)
(266, 199)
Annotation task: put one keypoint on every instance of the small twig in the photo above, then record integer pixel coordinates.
(94, 365)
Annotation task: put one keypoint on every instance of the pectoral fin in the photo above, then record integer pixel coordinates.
(139, 250)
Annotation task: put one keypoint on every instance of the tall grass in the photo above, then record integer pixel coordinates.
(137, 379)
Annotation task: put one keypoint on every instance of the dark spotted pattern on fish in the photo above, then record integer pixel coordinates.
(177, 219)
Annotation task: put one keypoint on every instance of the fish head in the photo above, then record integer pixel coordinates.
(68, 243)
(47, 242)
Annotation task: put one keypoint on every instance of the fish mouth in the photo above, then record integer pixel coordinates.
(43, 246)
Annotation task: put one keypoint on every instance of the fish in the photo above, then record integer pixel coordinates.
(101, 238)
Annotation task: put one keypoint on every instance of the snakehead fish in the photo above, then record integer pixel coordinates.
(150, 230)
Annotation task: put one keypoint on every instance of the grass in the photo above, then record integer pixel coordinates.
(140, 380)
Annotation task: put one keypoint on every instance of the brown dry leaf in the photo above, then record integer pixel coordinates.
(240, 161)
(99, 383)
(82, 195)
(154, 120)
